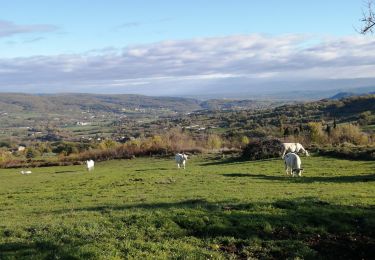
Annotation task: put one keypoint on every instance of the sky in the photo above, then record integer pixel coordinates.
(164, 47)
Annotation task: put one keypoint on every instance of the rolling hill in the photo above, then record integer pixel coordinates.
(55, 103)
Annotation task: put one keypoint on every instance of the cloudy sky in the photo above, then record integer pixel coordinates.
(190, 47)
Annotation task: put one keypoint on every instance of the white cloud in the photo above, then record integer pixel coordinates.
(195, 62)
(8, 28)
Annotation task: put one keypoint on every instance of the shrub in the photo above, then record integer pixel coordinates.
(317, 135)
(5, 156)
(65, 148)
(31, 152)
(262, 149)
(214, 141)
(244, 140)
(107, 144)
(349, 133)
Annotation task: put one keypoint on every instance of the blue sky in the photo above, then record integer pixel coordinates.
(74, 41)
(86, 25)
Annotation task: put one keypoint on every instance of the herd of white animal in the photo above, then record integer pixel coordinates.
(291, 158)
(289, 155)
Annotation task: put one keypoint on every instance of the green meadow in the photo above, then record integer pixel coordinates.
(215, 209)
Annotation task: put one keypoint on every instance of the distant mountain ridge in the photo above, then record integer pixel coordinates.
(56, 103)
(72, 102)
(341, 95)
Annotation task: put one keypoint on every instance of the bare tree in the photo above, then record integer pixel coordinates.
(368, 19)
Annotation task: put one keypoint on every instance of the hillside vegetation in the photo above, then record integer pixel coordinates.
(342, 128)
(115, 103)
(106, 103)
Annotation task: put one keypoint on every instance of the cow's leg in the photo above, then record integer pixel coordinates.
(183, 163)
(304, 151)
(178, 166)
(286, 168)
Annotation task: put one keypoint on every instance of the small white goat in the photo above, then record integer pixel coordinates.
(293, 164)
(90, 165)
(181, 160)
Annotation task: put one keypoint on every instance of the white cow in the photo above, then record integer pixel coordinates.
(25, 172)
(293, 148)
(293, 164)
(90, 165)
(181, 159)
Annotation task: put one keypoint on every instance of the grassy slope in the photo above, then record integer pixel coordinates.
(214, 209)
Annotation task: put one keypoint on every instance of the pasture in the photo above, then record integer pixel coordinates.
(215, 209)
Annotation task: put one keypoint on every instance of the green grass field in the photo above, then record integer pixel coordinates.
(215, 209)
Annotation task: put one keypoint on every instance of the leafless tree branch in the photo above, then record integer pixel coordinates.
(368, 19)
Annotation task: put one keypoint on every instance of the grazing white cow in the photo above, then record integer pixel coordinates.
(90, 165)
(292, 148)
(181, 159)
(25, 172)
(293, 164)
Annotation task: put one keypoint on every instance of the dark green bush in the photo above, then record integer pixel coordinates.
(262, 149)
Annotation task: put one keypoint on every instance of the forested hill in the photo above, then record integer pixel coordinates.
(351, 105)
(345, 108)
(92, 102)
(266, 122)
(57, 103)
(16, 102)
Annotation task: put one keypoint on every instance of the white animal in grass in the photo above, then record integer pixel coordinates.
(293, 164)
(292, 148)
(25, 172)
(90, 165)
(181, 159)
